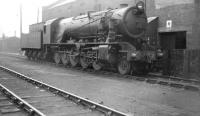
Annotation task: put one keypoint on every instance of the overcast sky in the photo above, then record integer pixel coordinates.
(10, 16)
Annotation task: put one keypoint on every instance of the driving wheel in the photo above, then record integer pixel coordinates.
(57, 58)
(84, 63)
(124, 67)
(97, 66)
(65, 59)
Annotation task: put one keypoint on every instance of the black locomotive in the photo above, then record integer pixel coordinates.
(114, 38)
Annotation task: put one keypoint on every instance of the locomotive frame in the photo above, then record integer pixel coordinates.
(114, 38)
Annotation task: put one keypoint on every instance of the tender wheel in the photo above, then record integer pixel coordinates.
(84, 63)
(124, 67)
(30, 55)
(74, 60)
(26, 53)
(57, 58)
(44, 55)
(34, 55)
(65, 59)
(97, 66)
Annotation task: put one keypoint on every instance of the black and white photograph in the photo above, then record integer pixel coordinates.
(100, 58)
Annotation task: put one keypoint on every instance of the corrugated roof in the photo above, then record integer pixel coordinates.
(150, 19)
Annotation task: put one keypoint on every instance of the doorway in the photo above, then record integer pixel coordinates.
(173, 40)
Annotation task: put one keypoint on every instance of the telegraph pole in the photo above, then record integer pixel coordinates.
(38, 14)
(20, 21)
(145, 2)
(20, 13)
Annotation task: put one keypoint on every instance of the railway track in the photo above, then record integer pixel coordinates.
(7, 107)
(152, 78)
(175, 82)
(12, 104)
(36, 98)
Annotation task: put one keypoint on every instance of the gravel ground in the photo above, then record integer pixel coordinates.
(133, 97)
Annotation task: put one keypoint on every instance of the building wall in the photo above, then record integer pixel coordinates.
(67, 10)
(196, 25)
(77, 7)
(183, 14)
(182, 17)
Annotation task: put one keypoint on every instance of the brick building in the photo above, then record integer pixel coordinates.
(179, 25)
(68, 8)
(176, 23)
(9, 44)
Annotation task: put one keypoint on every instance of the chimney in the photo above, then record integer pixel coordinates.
(123, 5)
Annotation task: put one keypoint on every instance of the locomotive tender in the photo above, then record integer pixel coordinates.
(113, 38)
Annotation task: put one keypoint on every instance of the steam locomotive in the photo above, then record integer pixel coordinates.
(114, 38)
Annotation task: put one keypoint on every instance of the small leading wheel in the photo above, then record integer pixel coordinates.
(74, 60)
(57, 58)
(97, 66)
(124, 67)
(140, 68)
(28, 54)
(39, 55)
(65, 59)
(145, 68)
(84, 63)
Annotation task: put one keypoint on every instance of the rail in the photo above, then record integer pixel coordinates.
(20, 102)
(77, 99)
